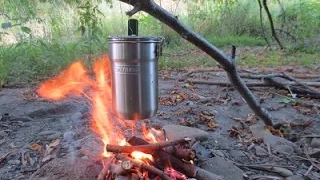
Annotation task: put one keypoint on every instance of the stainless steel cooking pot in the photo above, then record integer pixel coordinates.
(134, 63)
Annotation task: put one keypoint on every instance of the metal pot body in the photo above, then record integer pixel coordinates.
(134, 63)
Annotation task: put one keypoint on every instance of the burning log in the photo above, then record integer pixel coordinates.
(144, 166)
(105, 171)
(168, 160)
(182, 153)
(147, 148)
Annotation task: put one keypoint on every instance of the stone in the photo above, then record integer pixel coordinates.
(46, 133)
(257, 130)
(237, 154)
(217, 153)
(54, 136)
(283, 149)
(14, 162)
(76, 116)
(314, 152)
(68, 136)
(315, 143)
(221, 167)
(178, 131)
(295, 177)
(3, 134)
(274, 141)
(260, 151)
(202, 151)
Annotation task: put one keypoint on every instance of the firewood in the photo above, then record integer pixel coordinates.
(107, 163)
(168, 160)
(182, 153)
(149, 148)
(144, 166)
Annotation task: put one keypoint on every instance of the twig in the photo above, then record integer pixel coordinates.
(107, 163)
(308, 171)
(150, 148)
(310, 159)
(279, 170)
(185, 76)
(144, 166)
(285, 75)
(250, 84)
(268, 177)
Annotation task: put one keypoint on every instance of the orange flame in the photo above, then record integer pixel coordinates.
(140, 156)
(151, 135)
(73, 81)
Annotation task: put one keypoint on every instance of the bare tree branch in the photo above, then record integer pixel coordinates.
(283, 14)
(166, 17)
(274, 34)
(261, 24)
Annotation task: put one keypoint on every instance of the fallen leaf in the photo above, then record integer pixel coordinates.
(237, 118)
(51, 147)
(188, 85)
(252, 118)
(275, 132)
(207, 113)
(55, 143)
(306, 123)
(29, 95)
(35, 147)
(235, 132)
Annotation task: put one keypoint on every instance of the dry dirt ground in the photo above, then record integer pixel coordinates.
(46, 140)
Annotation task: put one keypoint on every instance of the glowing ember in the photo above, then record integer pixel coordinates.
(140, 156)
(175, 175)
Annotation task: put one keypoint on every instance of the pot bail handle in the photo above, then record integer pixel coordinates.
(132, 27)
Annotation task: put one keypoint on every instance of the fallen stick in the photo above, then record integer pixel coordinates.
(310, 159)
(251, 84)
(279, 170)
(144, 166)
(185, 76)
(167, 160)
(148, 148)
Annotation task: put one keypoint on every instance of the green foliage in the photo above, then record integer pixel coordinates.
(47, 35)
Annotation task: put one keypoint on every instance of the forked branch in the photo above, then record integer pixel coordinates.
(226, 62)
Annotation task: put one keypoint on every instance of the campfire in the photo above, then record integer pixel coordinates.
(147, 157)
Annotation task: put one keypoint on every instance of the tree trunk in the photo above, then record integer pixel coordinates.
(226, 62)
(261, 24)
(273, 31)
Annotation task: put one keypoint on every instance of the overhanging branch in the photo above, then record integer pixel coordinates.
(226, 62)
